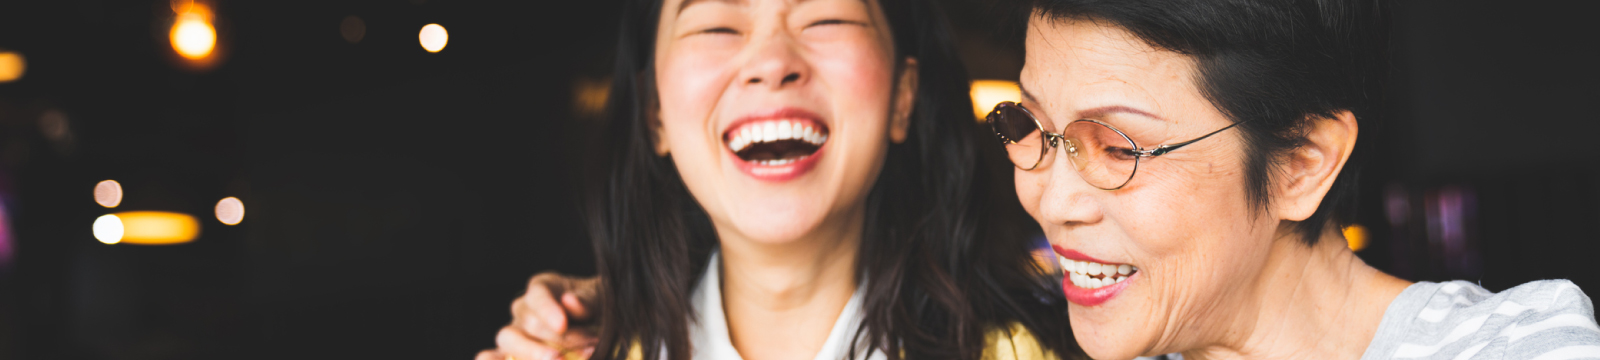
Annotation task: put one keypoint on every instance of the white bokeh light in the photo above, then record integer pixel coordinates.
(108, 229)
(433, 37)
(230, 210)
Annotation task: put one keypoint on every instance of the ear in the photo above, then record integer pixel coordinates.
(1311, 169)
(905, 99)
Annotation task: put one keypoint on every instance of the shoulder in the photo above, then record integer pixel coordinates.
(1459, 319)
(1013, 341)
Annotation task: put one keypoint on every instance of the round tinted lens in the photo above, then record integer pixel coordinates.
(1024, 143)
(1103, 157)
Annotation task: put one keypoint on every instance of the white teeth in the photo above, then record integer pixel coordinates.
(774, 131)
(1092, 275)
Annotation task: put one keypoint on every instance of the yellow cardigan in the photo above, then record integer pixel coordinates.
(1016, 344)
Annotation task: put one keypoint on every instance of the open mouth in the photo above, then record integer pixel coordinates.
(1093, 275)
(776, 142)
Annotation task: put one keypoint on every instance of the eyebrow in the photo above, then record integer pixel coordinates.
(686, 3)
(1095, 112)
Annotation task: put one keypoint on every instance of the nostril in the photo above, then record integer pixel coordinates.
(792, 77)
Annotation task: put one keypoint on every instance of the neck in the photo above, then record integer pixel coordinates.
(803, 284)
(1312, 302)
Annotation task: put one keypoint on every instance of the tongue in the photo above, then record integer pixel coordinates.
(777, 150)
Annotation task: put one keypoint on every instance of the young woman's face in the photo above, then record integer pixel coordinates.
(777, 113)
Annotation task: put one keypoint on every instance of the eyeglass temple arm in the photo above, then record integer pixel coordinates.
(1163, 149)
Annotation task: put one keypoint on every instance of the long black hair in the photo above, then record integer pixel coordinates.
(945, 251)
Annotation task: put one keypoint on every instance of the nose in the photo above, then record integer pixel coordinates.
(1067, 200)
(775, 63)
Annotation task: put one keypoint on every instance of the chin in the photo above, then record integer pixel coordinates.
(774, 222)
(1106, 341)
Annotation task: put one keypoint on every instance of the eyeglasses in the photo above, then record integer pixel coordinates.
(1103, 156)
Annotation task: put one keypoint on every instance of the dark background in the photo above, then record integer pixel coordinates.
(397, 200)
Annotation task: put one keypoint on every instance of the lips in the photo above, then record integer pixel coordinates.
(776, 145)
(1090, 281)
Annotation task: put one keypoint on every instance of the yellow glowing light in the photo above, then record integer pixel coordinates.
(1357, 236)
(108, 193)
(192, 34)
(988, 93)
(158, 227)
(12, 65)
(108, 229)
(230, 210)
(433, 37)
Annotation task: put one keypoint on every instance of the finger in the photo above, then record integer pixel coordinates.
(541, 299)
(587, 290)
(529, 323)
(578, 339)
(514, 344)
(574, 307)
(490, 355)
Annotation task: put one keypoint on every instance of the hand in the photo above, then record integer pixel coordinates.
(552, 319)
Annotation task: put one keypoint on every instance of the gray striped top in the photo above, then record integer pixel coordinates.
(1549, 319)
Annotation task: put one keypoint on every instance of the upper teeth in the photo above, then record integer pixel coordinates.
(1093, 275)
(774, 131)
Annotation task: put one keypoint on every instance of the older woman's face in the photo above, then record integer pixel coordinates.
(776, 112)
(1183, 222)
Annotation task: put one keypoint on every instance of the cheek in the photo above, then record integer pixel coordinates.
(690, 86)
(856, 77)
(1029, 191)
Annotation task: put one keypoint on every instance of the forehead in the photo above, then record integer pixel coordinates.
(1094, 61)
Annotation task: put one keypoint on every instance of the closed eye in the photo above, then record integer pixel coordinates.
(719, 30)
(836, 22)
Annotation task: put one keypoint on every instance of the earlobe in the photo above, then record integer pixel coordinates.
(905, 100)
(1310, 170)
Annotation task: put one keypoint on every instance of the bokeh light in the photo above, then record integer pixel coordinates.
(433, 37)
(108, 193)
(353, 29)
(1357, 236)
(12, 66)
(192, 34)
(988, 93)
(157, 227)
(230, 210)
(108, 229)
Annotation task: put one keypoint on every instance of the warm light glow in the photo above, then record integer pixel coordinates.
(108, 193)
(108, 229)
(192, 34)
(1357, 236)
(988, 93)
(433, 37)
(352, 29)
(12, 65)
(230, 210)
(158, 227)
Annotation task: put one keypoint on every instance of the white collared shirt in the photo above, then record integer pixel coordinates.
(709, 332)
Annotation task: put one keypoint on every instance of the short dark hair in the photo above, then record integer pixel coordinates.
(1276, 63)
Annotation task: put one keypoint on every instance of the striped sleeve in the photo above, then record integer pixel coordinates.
(1550, 319)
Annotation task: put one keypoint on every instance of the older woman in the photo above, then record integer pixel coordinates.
(1188, 161)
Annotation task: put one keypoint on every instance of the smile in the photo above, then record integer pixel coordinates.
(776, 146)
(1093, 275)
(1090, 281)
